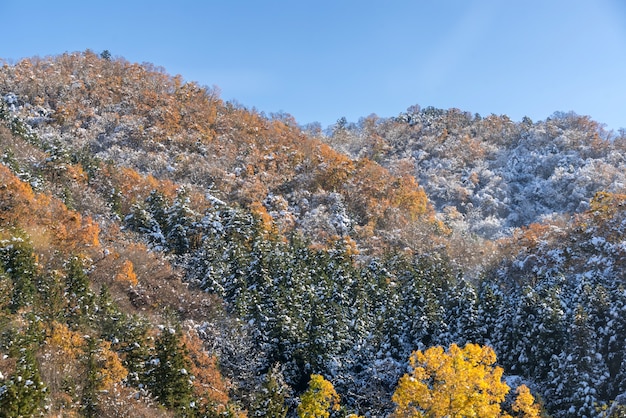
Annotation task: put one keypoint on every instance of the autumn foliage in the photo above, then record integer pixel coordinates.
(459, 382)
(165, 252)
(44, 217)
(210, 387)
(319, 399)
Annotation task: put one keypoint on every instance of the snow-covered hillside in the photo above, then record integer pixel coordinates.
(489, 175)
(166, 253)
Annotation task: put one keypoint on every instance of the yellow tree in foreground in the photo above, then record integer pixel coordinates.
(318, 399)
(460, 382)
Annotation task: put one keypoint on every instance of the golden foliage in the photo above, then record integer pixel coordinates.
(411, 198)
(532, 235)
(46, 217)
(605, 205)
(318, 399)
(525, 405)
(135, 187)
(260, 211)
(380, 200)
(80, 86)
(460, 382)
(64, 350)
(67, 343)
(333, 168)
(473, 148)
(111, 371)
(127, 274)
(209, 385)
(60, 366)
(15, 198)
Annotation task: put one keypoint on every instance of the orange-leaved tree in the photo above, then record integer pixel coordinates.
(210, 388)
(459, 382)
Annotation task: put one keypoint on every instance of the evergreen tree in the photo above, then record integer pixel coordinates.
(156, 205)
(578, 375)
(105, 55)
(89, 401)
(271, 401)
(79, 295)
(18, 262)
(493, 314)
(149, 218)
(179, 225)
(616, 347)
(168, 377)
(52, 298)
(140, 220)
(22, 393)
(534, 332)
(461, 320)
(132, 341)
(6, 293)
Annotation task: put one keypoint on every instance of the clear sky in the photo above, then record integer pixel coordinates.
(320, 60)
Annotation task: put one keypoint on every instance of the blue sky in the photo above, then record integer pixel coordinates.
(321, 60)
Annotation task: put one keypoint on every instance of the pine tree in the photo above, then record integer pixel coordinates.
(168, 378)
(578, 374)
(131, 333)
(534, 332)
(492, 314)
(18, 262)
(103, 370)
(616, 358)
(105, 55)
(148, 218)
(79, 295)
(270, 402)
(89, 401)
(156, 205)
(22, 393)
(6, 292)
(179, 222)
(462, 321)
(52, 298)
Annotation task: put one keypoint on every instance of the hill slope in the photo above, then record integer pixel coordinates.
(490, 175)
(172, 254)
(140, 117)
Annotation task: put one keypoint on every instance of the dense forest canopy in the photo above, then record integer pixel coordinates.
(166, 253)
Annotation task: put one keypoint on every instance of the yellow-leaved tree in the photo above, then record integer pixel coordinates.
(318, 399)
(459, 382)
(525, 405)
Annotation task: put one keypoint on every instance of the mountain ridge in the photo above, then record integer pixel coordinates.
(249, 248)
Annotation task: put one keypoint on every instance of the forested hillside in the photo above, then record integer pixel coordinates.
(166, 253)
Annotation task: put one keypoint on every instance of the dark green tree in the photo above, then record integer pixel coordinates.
(89, 400)
(80, 297)
(168, 377)
(156, 205)
(22, 393)
(130, 334)
(578, 375)
(270, 402)
(179, 225)
(18, 262)
(51, 299)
